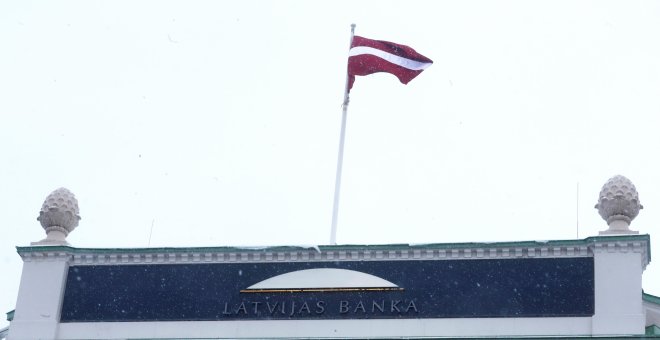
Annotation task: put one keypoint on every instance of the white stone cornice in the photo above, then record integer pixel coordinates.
(126, 256)
(46, 256)
(552, 249)
(629, 246)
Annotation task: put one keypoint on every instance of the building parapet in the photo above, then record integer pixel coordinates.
(439, 251)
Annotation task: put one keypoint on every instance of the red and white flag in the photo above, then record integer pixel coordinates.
(368, 56)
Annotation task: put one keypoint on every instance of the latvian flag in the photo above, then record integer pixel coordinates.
(368, 56)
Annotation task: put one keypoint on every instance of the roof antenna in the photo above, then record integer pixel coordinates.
(151, 232)
(577, 211)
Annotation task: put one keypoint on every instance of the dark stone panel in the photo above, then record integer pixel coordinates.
(548, 287)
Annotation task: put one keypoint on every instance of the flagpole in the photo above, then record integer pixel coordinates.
(340, 156)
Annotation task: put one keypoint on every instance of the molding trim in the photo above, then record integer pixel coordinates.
(640, 247)
(475, 251)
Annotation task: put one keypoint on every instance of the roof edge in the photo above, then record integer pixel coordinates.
(348, 247)
(651, 298)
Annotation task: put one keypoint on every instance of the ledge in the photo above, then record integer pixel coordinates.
(439, 251)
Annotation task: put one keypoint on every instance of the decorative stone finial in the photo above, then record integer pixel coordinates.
(59, 215)
(618, 204)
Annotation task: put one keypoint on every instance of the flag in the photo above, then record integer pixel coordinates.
(368, 56)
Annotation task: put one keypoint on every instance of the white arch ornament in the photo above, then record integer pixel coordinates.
(322, 280)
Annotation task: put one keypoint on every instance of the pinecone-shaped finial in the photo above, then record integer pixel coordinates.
(59, 215)
(618, 204)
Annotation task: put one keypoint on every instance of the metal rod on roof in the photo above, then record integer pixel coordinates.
(340, 156)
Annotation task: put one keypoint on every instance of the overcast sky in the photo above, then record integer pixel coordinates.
(217, 122)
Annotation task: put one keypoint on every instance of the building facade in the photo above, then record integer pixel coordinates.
(563, 288)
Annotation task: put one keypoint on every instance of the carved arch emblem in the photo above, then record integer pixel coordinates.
(322, 280)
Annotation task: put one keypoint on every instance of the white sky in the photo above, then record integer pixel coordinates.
(218, 121)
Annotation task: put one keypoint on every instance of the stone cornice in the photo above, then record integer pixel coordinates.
(443, 251)
(630, 246)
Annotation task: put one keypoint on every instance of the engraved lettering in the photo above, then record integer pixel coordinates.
(320, 307)
(226, 312)
(411, 305)
(304, 307)
(256, 306)
(293, 308)
(271, 310)
(241, 307)
(394, 305)
(300, 309)
(343, 307)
